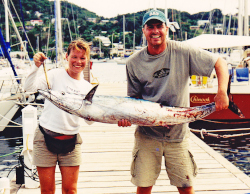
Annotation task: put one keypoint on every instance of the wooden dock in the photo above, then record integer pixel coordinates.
(107, 154)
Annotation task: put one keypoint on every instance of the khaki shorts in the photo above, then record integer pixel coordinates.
(147, 159)
(42, 157)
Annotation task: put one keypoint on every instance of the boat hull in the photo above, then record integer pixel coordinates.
(7, 112)
(224, 119)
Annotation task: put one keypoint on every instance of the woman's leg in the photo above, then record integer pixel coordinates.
(69, 179)
(47, 179)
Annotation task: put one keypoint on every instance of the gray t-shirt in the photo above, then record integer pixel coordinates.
(164, 78)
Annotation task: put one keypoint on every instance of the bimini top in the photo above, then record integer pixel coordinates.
(208, 41)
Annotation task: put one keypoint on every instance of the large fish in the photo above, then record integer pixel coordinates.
(111, 109)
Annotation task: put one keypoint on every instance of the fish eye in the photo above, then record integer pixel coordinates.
(63, 93)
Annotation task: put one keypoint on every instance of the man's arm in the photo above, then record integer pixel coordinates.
(221, 98)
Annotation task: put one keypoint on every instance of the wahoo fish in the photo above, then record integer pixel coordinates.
(111, 109)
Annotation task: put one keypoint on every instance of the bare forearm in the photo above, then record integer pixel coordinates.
(221, 99)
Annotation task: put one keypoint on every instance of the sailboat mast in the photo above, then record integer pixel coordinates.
(166, 15)
(246, 19)
(124, 35)
(59, 30)
(7, 31)
(240, 19)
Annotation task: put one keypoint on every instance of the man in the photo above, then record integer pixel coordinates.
(160, 73)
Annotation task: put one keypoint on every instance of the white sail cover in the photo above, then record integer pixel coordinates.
(208, 41)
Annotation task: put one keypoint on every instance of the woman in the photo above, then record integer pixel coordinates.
(57, 124)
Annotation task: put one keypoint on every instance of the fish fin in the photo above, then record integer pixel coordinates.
(91, 93)
(229, 85)
(232, 106)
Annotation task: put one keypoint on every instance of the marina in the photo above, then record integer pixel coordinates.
(107, 153)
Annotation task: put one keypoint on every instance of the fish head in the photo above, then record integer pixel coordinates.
(69, 102)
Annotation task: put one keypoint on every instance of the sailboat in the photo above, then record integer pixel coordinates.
(11, 91)
(204, 91)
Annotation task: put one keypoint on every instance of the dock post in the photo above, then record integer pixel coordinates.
(29, 119)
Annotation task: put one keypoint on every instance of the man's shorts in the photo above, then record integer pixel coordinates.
(147, 159)
(42, 157)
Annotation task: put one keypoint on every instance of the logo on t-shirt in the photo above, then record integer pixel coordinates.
(161, 73)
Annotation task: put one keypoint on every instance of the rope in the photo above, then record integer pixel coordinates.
(5, 139)
(204, 132)
(10, 120)
(11, 153)
(14, 126)
(23, 27)
(242, 122)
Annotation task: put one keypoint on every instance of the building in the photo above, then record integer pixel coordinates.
(91, 20)
(202, 22)
(105, 40)
(102, 22)
(194, 27)
(36, 22)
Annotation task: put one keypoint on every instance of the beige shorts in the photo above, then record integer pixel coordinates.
(147, 159)
(42, 157)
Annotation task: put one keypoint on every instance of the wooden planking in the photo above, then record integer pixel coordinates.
(107, 151)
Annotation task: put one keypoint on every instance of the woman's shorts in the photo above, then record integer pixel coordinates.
(42, 157)
(147, 159)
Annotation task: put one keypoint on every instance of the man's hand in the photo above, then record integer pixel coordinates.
(39, 58)
(124, 123)
(221, 101)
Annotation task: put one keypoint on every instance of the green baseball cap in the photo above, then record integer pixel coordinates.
(154, 14)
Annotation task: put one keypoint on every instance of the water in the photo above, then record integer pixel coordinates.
(236, 149)
(109, 72)
(11, 146)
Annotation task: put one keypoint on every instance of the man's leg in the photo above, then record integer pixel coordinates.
(186, 190)
(146, 164)
(180, 166)
(144, 190)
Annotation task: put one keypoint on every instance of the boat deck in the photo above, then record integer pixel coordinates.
(107, 153)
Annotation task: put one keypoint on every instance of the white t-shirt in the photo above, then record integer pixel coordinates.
(52, 117)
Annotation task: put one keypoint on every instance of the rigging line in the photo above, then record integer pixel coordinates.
(9, 120)
(73, 19)
(11, 153)
(13, 126)
(242, 122)
(204, 132)
(22, 27)
(5, 139)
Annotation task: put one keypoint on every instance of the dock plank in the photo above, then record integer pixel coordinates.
(107, 154)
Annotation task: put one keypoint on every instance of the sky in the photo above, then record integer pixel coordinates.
(111, 8)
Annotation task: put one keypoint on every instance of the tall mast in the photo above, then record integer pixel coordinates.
(166, 15)
(246, 19)
(59, 30)
(240, 19)
(124, 35)
(7, 31)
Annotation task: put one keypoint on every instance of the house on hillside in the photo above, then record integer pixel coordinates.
(36, 22)
(91, 20)
(105, 40)
(203, 22)
(102, 22)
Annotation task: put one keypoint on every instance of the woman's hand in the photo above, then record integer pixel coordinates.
(39, 58)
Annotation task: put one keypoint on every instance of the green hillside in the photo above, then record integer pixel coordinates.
(81, 27)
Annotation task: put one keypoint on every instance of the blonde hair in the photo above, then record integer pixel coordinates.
(79, 44)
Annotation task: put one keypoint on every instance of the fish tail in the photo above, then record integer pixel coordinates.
(232, 106)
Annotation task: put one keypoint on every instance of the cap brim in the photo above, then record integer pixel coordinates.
(154, 18)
